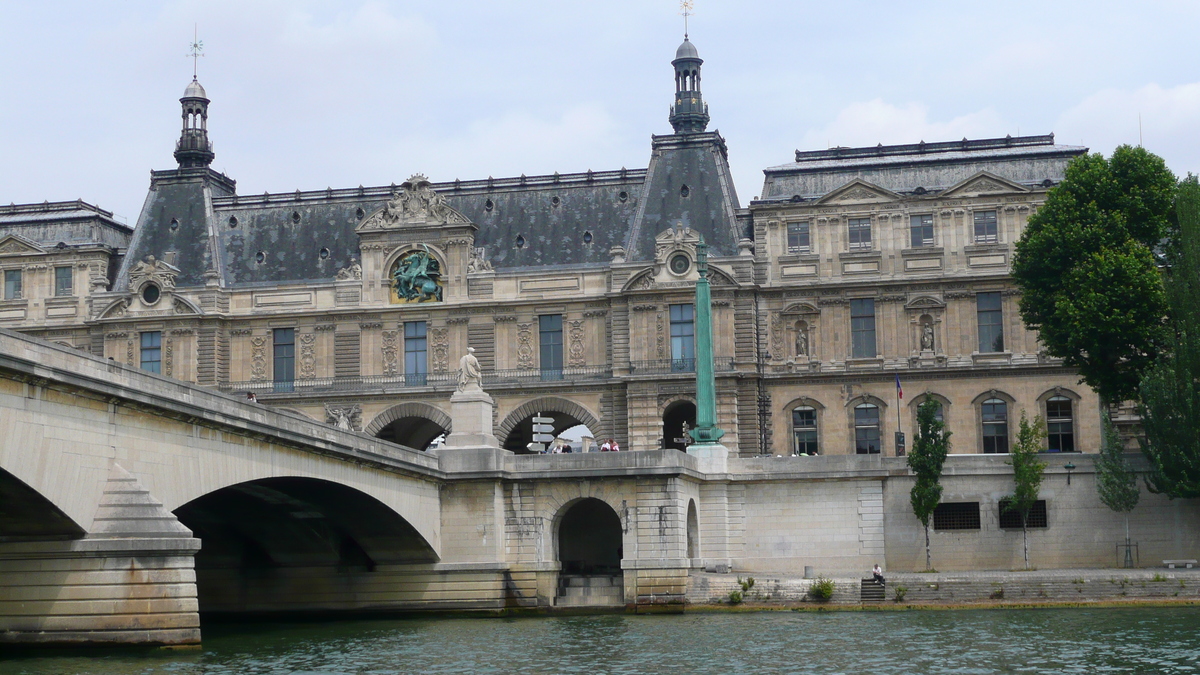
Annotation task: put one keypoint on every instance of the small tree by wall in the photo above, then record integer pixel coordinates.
(929, 451)
(1028, 471)
(1116, 481)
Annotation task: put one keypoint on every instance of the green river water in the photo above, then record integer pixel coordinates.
(1122, 640)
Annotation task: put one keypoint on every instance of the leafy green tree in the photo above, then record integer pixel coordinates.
(1028, 470)
(1116, 481)
(1087, 269)
(1171, 388)
(928, 454)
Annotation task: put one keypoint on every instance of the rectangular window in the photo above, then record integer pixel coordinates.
(797, 234)
(151, 351)
(63, 281)
(866, 430)
(804, 430)
(550, 338)
(1011, 520)
(860, 234)
(416, 356)
(285, 358)
(921, 231)
(683, 338)
(995, 426)
(862, 328)
(956, 516)
(1060, 428)
(991, 322)
(12, 284)
(985, 227)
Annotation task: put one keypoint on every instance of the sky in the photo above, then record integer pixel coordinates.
(308, 95)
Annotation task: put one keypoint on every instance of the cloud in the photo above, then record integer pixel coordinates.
(876, 121)
(1169, 120)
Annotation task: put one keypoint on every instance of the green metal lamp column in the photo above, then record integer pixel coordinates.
(706, 431)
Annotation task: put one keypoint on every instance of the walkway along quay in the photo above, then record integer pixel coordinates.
(134, 505)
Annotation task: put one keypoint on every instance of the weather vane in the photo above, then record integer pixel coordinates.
(196, 50)
(685, 7)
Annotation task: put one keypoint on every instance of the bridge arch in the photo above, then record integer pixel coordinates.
(412, 423)
(26, 514)
(517, 428)
(267, 540)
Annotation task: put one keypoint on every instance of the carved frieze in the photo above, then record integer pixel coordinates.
(504, 318)
(525, 345)
(776, 323)
(441, 349)
(168, 356)
(575, 353)
(308, 356)
(258, 357)
(391, 348)
(660, 337)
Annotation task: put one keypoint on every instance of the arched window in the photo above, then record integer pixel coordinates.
(995, 426)
(866, 429)
(804, 430)
(1060, 425)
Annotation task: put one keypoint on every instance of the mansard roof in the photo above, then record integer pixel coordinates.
(921, 167)
(74, 223)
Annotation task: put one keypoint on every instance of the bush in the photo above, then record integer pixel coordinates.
(735, 597)
(901, 591)
(821, 589)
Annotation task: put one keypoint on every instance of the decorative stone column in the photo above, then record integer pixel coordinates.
(706, 436)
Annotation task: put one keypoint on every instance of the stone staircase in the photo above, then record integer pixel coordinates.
(869, 591)
(578, 590)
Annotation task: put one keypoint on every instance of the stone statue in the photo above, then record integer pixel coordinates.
(801, 342)
(478, 261)
(469, 375)
(926, 337)
(342, 418)
(354, 271)
(418, 277)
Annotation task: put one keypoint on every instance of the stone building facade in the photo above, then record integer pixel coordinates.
(858, 269)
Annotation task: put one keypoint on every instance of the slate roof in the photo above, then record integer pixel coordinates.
(1029, 160)
(73, 223)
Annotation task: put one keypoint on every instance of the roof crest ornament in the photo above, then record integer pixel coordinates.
(415, 202)
(685, 8)
(195, 49)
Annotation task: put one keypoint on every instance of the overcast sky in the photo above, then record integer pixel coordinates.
(308, 95)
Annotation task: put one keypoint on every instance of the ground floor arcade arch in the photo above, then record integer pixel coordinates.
(516, 430)
(675, 416)
(412, 424)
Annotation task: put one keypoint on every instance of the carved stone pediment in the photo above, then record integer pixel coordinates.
(675, 239)
(115, 309)
(415, 204)
(800, 308)
(925, 302)
(18, 245)
(983, 183)
(150, 269)
(859, 191)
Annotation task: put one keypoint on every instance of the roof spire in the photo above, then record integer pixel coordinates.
(685, 8)
(195, 49)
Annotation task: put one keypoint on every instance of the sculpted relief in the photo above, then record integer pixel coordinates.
(416, 277)
(416, 203)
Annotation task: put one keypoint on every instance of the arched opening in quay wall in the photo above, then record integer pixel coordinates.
(291, 545)
(675, 417)
(590, 549)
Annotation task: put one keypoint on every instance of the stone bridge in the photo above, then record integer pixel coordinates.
(133, 505)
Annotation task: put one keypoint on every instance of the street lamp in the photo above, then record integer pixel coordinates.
(1069, 467)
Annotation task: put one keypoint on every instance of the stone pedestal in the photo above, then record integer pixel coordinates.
(713, 457)
(471, 410)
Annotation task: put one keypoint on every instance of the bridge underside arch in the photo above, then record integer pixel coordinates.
(517, 427)
(282, 544)
(26, 515)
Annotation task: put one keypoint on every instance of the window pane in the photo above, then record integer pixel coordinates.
(922, 231)
(416, 360)
(798, 241)
(1060, 427)
(284, 356)
(860, 233)
(995, 426)
(985, 227)
(12, 284)
(151, 350)
(551, 342)
(62, 281)
(991, 322)
(862, 328)
(683, 337)
(866, 429)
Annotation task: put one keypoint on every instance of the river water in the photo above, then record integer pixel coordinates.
(1123, 640)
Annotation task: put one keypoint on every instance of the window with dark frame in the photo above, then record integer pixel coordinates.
(797, 238)
(956, 516)
(921, 231)
(804, 430)
(284, 358)
(991, 322)
(862, 328)
(416, 355)
(683, 338)
(995, 426)
(986, 231)
(860, 234)
(1060, 425)
(550, 342)
(12, 284)
(151, 351)
(1011, 520)
(866, 429)
(63, 281)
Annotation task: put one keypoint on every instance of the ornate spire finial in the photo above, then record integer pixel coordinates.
(685, 8)
(195, 49)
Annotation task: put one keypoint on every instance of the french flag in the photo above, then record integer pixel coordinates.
(899, 389)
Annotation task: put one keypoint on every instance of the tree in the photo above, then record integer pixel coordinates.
(929, 451)
(1171, 388)
(1028, 469)
(1116, 481)
(1087, 269)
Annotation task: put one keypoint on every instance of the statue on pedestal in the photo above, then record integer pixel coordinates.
(926, 337)
(469, 374)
